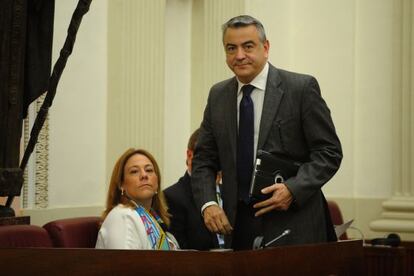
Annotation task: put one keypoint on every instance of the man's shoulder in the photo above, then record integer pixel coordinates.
(174, 188)
(289, 76)
(177, 188)
(225, 84)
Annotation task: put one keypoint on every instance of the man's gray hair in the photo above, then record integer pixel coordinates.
(243, 21)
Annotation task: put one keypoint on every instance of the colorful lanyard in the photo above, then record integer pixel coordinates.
(220, 237)
(155, 233)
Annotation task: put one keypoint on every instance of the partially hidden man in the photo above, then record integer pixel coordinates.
(281, 112)
(187, 225)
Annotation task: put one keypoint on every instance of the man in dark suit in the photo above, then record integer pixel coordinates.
(187, 225)
(282, 113)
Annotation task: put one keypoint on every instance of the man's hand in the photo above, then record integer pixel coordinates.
(280, 200)
(216, 220)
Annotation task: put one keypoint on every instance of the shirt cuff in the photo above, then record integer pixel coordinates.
(206, 205)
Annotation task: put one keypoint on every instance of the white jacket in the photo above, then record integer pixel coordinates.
(123, 229)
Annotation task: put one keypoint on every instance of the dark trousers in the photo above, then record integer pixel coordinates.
(247, 227)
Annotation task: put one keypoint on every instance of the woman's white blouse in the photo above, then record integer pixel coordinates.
(123, 229)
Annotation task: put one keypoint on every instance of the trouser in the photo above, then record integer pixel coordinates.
(247, 227)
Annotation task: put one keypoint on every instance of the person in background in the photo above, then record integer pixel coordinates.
(136, 214)
(281, 112)
(187, 225)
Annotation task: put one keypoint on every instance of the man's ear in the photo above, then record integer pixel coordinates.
(266, 46)
(190, 154)
(189, 159)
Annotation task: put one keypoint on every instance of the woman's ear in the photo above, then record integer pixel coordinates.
(121, 189)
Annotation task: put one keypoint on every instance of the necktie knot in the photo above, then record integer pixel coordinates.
(247, 89)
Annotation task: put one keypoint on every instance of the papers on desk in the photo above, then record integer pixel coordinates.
(340, 229)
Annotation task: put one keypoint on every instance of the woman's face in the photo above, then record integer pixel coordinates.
(140, 180)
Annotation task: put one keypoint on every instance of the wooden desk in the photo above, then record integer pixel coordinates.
(344, 258)
(389, 261)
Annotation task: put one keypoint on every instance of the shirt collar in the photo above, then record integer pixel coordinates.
(258, 82)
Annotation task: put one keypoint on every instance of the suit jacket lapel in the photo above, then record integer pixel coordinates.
(231, 115)
(273, 96)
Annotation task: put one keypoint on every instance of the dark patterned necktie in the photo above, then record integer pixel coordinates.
(245, 143)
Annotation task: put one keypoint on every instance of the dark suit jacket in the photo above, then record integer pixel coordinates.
(187, 225)
(295, 121)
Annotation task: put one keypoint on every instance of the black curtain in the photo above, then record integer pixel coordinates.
(39, 41)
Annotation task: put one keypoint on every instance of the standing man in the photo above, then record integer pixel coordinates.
(187, 225)
(281, 112)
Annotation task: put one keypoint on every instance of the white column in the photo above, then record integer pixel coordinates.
(177, 116)
(398, 211)
(136, 33)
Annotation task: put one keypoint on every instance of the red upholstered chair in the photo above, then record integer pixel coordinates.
(336, 216)
(79, 232)
(12, 236)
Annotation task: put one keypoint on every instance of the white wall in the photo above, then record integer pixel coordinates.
(373, 91)
(177, 115)
(77, 116)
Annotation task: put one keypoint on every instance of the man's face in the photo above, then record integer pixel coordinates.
(246, 55)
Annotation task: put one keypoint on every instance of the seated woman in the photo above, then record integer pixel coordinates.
(136, 214)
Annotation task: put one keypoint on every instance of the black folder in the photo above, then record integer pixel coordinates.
(270, 169)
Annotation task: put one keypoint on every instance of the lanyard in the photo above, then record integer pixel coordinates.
(155, 233)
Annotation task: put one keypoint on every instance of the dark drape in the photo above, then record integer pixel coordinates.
(39, 38)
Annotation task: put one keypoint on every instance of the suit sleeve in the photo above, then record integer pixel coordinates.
(325, 153)
(205, 164)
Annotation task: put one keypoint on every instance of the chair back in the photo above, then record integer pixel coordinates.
(12, 236)
(336, 216)
(80, 232)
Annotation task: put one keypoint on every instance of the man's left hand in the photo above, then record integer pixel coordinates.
(280, 200)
